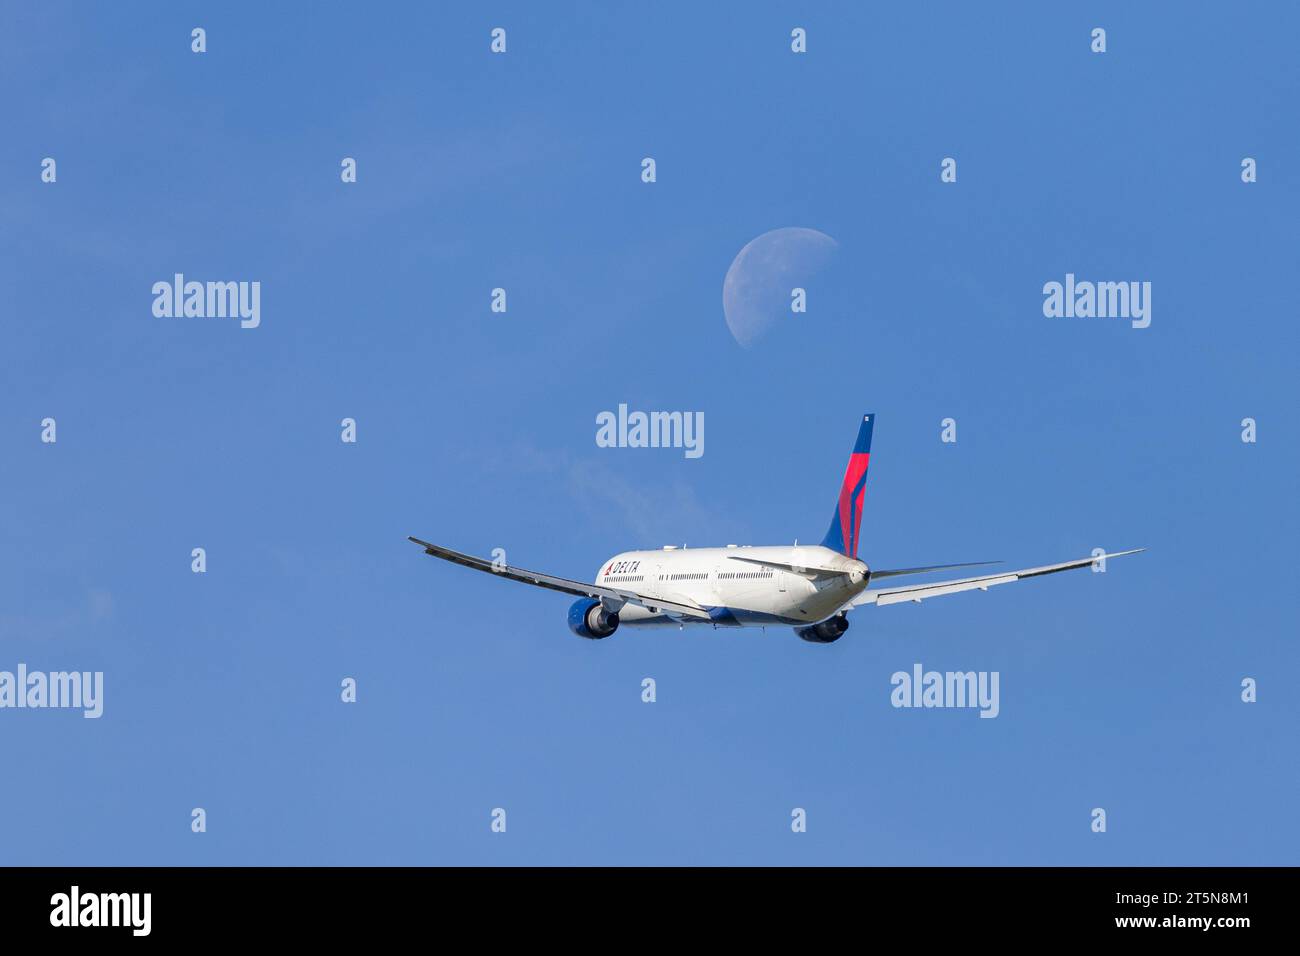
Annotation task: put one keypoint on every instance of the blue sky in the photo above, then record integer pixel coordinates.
(477, 430)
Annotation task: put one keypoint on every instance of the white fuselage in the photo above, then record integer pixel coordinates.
(737, 590)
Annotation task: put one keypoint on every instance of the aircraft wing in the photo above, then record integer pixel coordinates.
(612, 598)
(919, 592)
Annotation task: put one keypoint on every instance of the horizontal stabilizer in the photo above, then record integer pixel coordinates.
(899, 572)
(784, 566)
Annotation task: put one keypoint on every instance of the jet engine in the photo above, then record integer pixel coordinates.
(827, 632)
(587, 618)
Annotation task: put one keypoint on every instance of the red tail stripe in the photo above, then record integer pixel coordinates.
(851, 511)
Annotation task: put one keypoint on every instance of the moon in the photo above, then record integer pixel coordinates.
(756, 292)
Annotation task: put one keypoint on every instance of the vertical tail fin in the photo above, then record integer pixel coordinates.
(847, 520)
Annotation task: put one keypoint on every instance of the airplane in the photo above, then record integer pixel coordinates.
(809, 588)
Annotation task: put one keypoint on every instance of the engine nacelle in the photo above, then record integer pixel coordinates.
(827, 632)
(588, 619)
